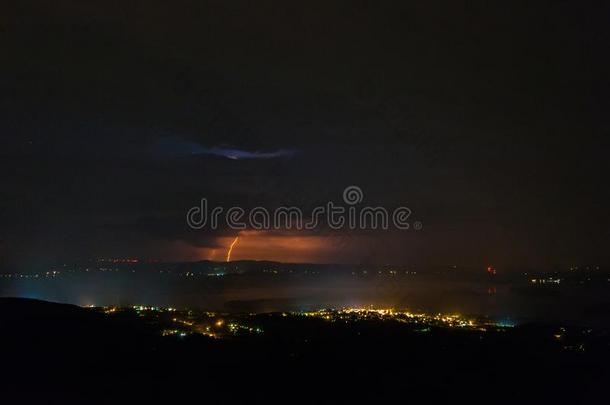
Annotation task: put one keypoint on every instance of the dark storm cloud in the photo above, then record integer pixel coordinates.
(487, 120)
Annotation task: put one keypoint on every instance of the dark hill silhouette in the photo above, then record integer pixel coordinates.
(58, 353)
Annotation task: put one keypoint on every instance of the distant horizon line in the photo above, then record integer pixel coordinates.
(511, 268)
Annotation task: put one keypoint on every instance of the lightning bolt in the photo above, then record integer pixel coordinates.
(231, 248)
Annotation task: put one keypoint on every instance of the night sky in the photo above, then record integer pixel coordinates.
(488, 119)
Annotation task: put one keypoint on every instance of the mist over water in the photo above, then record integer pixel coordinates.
(513, 302)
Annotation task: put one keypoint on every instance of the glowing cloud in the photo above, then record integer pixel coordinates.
(179, 148)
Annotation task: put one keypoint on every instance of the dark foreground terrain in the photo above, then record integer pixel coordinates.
(57, 353)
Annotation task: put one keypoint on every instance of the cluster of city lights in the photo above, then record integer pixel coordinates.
(549, 280)
(173, 322)
(438, 319)
(181, 323)
(140, 308)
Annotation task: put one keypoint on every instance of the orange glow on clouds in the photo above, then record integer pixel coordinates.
(263, 245)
